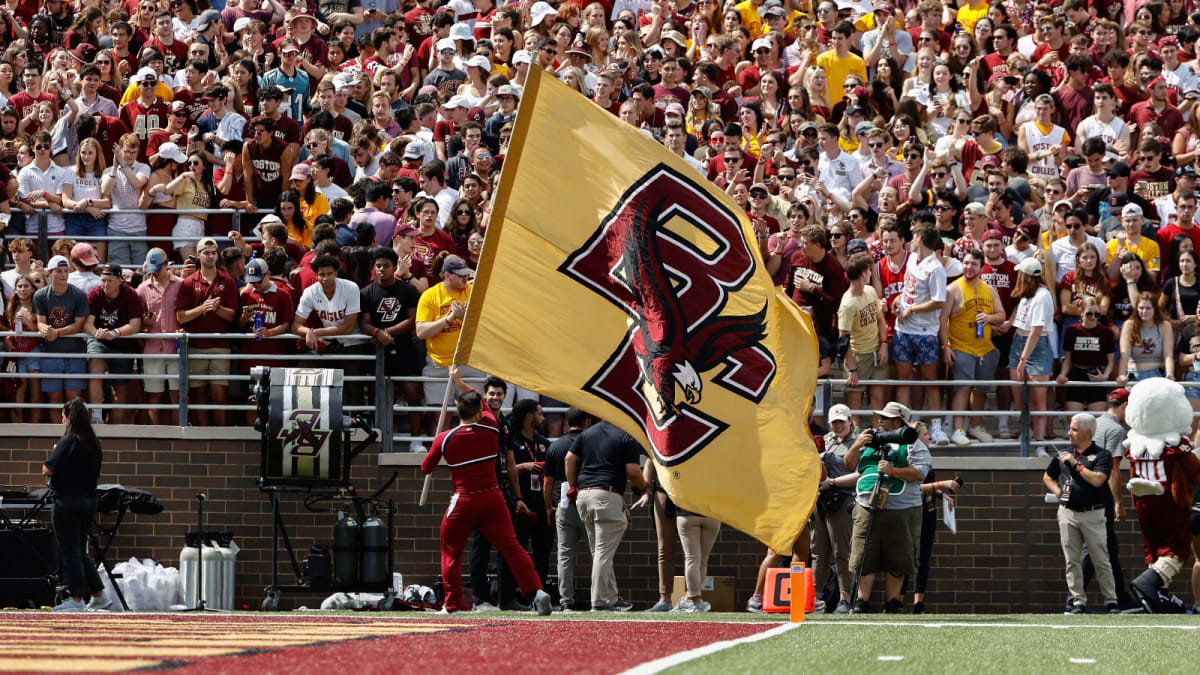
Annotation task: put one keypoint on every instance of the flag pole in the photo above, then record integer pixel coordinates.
(437, 430)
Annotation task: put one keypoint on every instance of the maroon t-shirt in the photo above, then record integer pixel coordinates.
(1073, 106)
(1161, 182)
(286, 129)
(426, 248)
(268, 177)
(831, 285)
(112, 313)
(278, 308)
(1001, 278)
(1089, 348)
(194, 292)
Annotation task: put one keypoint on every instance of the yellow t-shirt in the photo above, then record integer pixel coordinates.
(751, 20)
(962, 326)
(160, 90)
(859, 316)
(1147, 250)
(969, 15)
(318, 208)
(836, 71)
(433, 305)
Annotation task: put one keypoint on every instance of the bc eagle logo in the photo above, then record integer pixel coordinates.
(674, 294)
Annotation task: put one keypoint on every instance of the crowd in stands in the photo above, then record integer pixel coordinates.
(962, 191)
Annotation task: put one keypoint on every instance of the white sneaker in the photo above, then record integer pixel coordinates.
(485, 607)
(660, 606)
(417, 446)
(97, 416)
(959, 438)
(939, 436)
(685, 606)
(102, 603)
(1041, 452)
(541, 603)
(70, 605)
(980, 434)
(702, 607)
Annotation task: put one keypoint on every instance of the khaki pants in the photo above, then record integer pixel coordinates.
(664, 528)
(831, 543)
(697, 534)
(569, 527)
(1077, 528)
(603, 516)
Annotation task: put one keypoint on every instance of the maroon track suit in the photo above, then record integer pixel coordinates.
(477, 504)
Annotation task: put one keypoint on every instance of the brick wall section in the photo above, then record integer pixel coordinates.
(1005, 557)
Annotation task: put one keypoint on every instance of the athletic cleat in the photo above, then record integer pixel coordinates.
(541, 602)
(485, 607)
(754, 604)
(1145, 588)
(660, 606)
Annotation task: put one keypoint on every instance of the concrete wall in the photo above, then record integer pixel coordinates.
(1005, 557)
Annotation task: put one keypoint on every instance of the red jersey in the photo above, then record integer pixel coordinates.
(195, 106)
(22, 101)
(174, 56)
(1001, 278)
(108, 131)
(268, 167)
(892, 283)
(470, 451)
(143, 119)
(194, 292)
(1177, 470)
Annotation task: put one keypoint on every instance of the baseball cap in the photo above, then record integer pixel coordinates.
(674, 109)
(456, 265)
(775, 11)
(84, 253)
(1031, 266)
(111, 269)
(522, 56)
(256, 270)
(856, 246)
(411, 151)
(207, 19)
(84, 53)
(457, 101)
(975, 209)
(679, 39)
(58, 261)
(703, 91)
(241, 23)
(895, 410)
(1131, 210)
(1118, 169)
(301, 13)
(760, 43)
(1168, 41)
(405, 230)
(1118, 396)
(178, 106)
(446, 43)
(301, 171)
(863, 127)
(1185, 170)
(156, 259)
(508, 90)
(480, 62)
(172, 152)
(461, 31)
(269, 219)
(1063, 202)
(839, 412)
(856, 110)
(539, 11)
(1001, 76)
(993, 234)
(208, 241)
(144, 74)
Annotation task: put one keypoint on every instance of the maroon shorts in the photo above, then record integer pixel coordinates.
(1166, 528)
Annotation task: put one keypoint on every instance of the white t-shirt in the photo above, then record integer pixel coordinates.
(1035, 311)
(8, 279)
(335, 311)
(332, 192)
(924, 280)
(1064, 254)
(84, 187)
(841, 174)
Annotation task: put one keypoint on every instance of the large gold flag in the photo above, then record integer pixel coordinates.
(617, 278)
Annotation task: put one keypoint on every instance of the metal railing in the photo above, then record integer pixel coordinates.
(43, 237)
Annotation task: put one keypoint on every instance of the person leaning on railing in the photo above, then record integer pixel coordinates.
(116, 311)
(208, 303)
(159, 292)
(61, 310)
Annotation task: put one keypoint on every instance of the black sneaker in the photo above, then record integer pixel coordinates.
(894, 606)
(1078, 608)
(918, 608)
(860, 607)
(1113, 608)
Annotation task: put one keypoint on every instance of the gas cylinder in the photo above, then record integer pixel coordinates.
(374, 551)
(346, 538)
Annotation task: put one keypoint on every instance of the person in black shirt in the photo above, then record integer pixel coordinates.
(597, 466)
(73, 468)
(559, 509)
(529, 454)
(1082, 496)
(389, 315)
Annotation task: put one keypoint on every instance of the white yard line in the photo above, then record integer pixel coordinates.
(672, 660)
(951, 624)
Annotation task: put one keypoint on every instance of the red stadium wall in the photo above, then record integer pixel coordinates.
(1005, 557)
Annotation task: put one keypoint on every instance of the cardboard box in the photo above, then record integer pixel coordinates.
(718, 591)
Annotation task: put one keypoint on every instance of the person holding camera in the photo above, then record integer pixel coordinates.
(892, 463)
(1079, 479)
(832, 523)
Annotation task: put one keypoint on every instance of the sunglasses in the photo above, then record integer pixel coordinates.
(836, 235)
(462, 213)
(475, 242)
(104, 62)
(809, 133)
(1074, 226)
(963, 121)
(195, 163)
(941, 208)
(41, 146)
(823, 10)
(925, 39)
(1045, 29)
(875, 145)
(938, 174)
(1091, 313)
(397, 190)
(312, 144)
(762, 51)
(732, 160)
(787, 176)
(146, 84)
(446, 51)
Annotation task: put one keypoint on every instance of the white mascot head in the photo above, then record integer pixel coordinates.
(1157, 415)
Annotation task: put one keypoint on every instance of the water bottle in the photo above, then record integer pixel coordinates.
(20, 328)
(1131, 374)
(258, 323)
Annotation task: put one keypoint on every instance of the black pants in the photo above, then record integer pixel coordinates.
(929, 521)
(542, 537)
(72, 518)
(1114, 556)
(481, 553)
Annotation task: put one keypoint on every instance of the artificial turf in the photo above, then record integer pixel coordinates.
(968, 643)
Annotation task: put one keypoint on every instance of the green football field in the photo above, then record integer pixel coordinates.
(966, 643)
